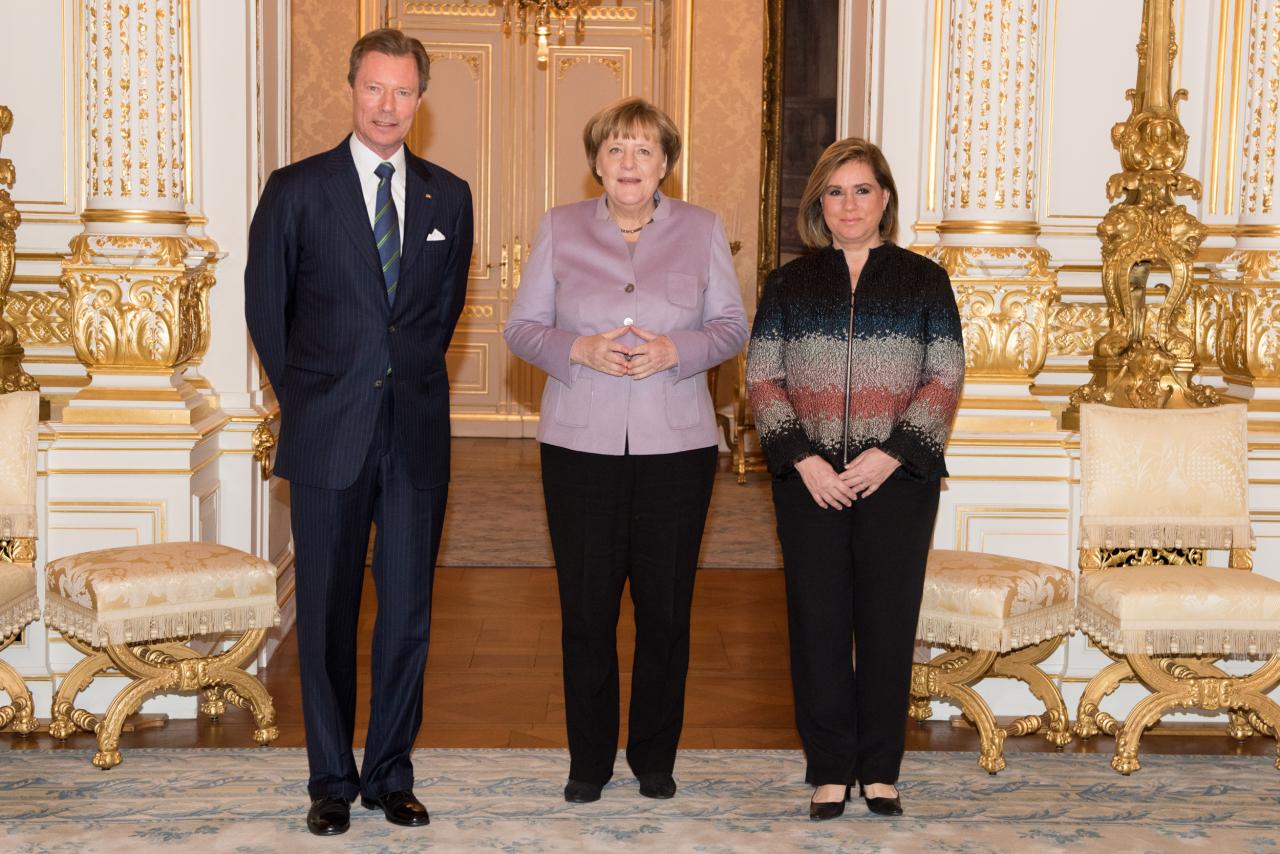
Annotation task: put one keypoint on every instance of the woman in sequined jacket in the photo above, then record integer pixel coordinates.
(854, 373)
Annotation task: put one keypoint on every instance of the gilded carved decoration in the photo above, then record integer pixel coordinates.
(1006, 296)
(1075, 326)
(1139, 363)
(18, 549)
(1262, 110)
(41, 318)
(12, 376)
(138, 302)
(264, 442)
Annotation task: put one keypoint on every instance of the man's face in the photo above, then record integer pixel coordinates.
(384, 100)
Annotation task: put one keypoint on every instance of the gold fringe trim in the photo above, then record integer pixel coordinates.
(1204, 638)
(1001, 634)
(18, 614)
(187, 620)
(17, 520)
(1112, 532)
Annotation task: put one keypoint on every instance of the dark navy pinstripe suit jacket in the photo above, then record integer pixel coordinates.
(317, 311)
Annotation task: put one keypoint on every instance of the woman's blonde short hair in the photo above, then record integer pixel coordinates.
(631, 118)
(812, 225)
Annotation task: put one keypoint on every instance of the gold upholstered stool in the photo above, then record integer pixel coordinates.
(19, 599)
(135, 608)
(1159, 490)
(999, 617)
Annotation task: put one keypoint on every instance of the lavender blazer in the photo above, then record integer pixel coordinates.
(580, 280)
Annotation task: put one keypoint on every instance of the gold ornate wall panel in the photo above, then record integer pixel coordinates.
(1262, 114)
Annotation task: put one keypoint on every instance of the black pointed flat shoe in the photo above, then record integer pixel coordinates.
(329, 816)
(400, 808)
(658, 785)
(882, 806)
(578, 792)
(826, 810)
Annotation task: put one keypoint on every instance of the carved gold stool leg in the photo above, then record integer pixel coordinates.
(18, 715)
(1090, 719)
(243, 690)
(1022, 665)
(947, 677)
(66, 718)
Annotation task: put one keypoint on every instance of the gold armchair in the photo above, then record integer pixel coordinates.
(1159, 488)
(19, 601)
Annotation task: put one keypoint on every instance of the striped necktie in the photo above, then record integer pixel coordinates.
(386, 230)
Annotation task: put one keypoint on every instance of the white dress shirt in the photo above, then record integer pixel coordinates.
(366, 162)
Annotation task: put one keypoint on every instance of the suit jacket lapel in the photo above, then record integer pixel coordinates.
(419, 211)
(343, 189)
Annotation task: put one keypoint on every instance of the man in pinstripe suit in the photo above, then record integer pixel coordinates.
(356, 277)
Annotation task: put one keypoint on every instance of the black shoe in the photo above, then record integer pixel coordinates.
(329, 816)
(882, 806)
(658, 784)
(400, 808)
(824, 810)
(578, 792)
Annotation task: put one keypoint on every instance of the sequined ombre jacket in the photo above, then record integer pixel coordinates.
(893, 384)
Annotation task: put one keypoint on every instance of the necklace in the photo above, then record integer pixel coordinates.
(631, 230)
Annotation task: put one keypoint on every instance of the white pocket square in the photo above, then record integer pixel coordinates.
(435, 235)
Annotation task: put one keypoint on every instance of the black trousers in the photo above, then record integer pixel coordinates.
(854, 574)
(330, 537)
(614, 518)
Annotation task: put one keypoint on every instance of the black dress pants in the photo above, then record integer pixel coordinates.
(854, 574)
(330, 536)
(614, 518)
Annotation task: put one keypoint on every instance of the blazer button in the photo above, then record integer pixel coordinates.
(630, 287)
(377, 383)
(391, 328)
(626, 321)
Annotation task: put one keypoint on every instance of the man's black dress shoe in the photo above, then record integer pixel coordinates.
(881, 806)
(400, 808)
(658, 784)
(824, 810)
(329, 816)
(578, 792)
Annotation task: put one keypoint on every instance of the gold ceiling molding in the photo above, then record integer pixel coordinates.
(1137, 363)
(12, 376)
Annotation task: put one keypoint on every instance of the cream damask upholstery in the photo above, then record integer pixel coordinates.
(157, 592)
(1000, 617)
(1181, 610)
(1155, 484)
(19, 599)
(134, 608)
(19, 420)
(993, 602)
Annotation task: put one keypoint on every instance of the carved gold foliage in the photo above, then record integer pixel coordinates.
(18, 550)
(1248, 341)
(567, 63)
(147, 310)
(1030, 261)
(40, 317)
(1256, 264)
(471, 60)
(1074, 327)
(1006, 326)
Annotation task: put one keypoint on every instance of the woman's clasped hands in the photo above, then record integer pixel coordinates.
(603, 353)
(861, 477)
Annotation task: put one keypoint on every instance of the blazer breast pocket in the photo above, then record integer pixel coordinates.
(682, 289)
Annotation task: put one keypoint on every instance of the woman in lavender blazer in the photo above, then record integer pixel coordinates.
(626, 301)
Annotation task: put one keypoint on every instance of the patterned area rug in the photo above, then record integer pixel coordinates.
(496, 515)
(729, 801)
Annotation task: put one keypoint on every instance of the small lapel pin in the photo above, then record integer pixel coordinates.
(427, 195)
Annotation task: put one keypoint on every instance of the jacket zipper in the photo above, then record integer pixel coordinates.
(848, 379)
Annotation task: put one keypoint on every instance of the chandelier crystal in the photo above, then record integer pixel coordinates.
(543, 13)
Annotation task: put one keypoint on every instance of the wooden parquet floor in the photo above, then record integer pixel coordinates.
(494, 673)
